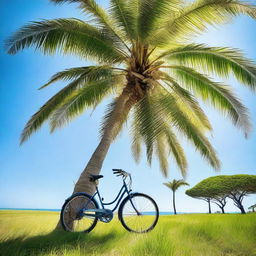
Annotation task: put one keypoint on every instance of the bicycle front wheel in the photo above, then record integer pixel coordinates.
(138, 213)
(72, 217)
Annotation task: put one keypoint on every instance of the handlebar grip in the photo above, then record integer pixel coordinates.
(117, 170)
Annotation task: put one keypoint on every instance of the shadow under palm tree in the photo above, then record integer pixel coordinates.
(56, 242)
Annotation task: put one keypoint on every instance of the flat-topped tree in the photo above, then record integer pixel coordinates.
(218, 188)
(239, 186)
(174, 185)
(210, 189)
(145, 63)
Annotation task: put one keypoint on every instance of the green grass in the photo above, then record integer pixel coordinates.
(24, 233)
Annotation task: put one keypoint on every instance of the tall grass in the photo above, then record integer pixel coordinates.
(24, 233)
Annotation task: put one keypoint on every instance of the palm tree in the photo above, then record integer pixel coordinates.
(144, 60)
(174, 185)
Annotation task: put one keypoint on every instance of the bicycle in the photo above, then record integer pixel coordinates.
(137, 212)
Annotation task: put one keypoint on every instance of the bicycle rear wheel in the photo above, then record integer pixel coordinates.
(72, 218)
(138, 213)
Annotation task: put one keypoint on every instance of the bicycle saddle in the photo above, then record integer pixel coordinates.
(95, 177)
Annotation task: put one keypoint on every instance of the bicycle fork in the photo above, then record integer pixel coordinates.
(138, 213)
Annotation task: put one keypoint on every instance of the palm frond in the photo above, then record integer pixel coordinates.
(175, 184)
(183, 124)
(124, 14)
(147, 126)
(101, 17)
(220, 61)
(88, 96)
(188, 103)
(152, 128)
(37, 120)
(148, 120)
(71, 36)
(176, 150)
(220, 96)
(152, 13)
(136, 141)
(162, 154)
(89, 73)
(196, 16)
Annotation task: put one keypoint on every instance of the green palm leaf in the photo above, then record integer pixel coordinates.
(101, 17)
(124, 13)
(187, 102)
(68, 36)
(175, 184)
(88, 96)
(220, 96)
(89, 73)
(183, 124)
(196, 16)
(162, 154)
(151, 126)
(145, 120)
(152, 13)
(217, 60)
(46, 110)
(136, 141)
(176, 150)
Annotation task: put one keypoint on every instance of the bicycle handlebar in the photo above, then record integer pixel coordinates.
(124, 174)
(120, 172)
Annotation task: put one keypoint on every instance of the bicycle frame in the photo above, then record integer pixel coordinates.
(124, 190)
(102, 212)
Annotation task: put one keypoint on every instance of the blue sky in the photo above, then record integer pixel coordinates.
(42, 172)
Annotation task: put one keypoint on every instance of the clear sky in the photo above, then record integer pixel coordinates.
(42, 172)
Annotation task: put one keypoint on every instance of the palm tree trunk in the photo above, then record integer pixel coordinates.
(173, 201)
(94, 165)
(122, 107)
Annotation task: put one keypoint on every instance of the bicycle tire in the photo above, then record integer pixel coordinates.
(151, 214)
(69, 217)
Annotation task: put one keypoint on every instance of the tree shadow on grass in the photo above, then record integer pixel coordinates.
(57, 243)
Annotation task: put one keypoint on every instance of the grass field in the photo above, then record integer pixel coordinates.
(24, 233)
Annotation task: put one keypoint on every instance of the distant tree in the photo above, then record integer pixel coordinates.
(210, 190)
(252, 207)
(218, 188)
(196, 192)
(239, 186)
(174, 185)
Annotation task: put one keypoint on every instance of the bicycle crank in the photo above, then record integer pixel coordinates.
(104, 215)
